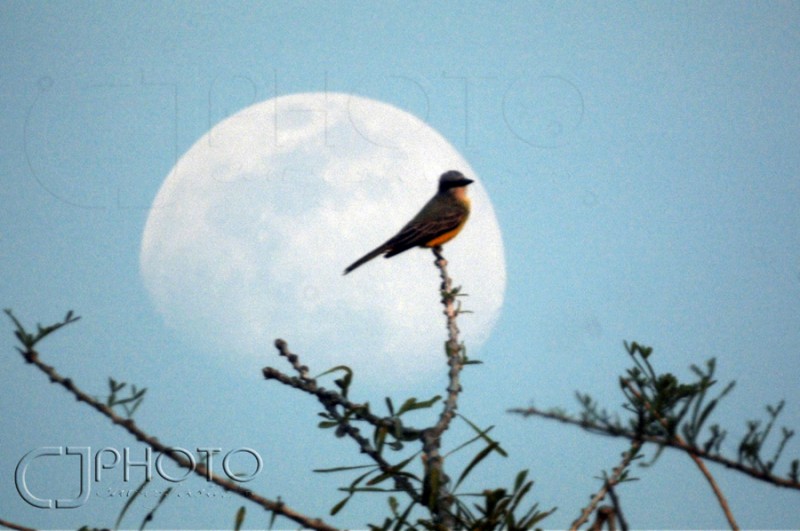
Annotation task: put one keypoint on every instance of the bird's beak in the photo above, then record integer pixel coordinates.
(465, 182)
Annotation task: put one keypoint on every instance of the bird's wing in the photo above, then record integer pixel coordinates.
(420, 232)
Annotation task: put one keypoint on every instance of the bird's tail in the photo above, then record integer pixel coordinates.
(366, 258)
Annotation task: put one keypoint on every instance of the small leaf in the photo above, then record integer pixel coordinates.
(394, 471)
(483, 435)
(411, 404)
(395, 445)
(237, 524)
(129, 503)
(390, 406)
(343, 368)
(338, 507)
(393, 505)
(520, 479)
(480, 456)
(341, 468)
(379, 438)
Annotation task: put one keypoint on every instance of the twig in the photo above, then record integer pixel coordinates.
(432, 438)
(330, 400)
(613, 431)
(613, 480)
(612, 493)
(723, 503)
(31, 356)
(310, 386)
(12, 525)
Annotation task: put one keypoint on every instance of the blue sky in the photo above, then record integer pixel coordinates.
(641, 158)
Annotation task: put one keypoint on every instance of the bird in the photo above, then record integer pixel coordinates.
(439, 221)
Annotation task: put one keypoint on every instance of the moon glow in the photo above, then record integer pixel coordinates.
(247, 238)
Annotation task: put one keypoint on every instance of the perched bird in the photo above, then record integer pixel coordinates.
(439, 221)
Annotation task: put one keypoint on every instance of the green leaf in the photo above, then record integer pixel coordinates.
(338, 507)
(480, 456)
(343, 368)
(394, 471)
(379, 438)
(149, 516)
(395, 445)
(411, 404)
(483, 434)
(470, 441)
(520, 479)
(401, 520)
(128, 504)
(390, 406)
(342, 468)
(237, 523)
(353, 490)
(29, 340)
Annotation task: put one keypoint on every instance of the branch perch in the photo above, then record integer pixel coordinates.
(436, 479)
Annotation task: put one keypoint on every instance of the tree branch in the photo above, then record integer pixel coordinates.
(309, 385)
(613, 431)
(723, 503)
(610, 482)
(17, 527)
(612, 493)
(32, 356)
(330, 400)
(436, 479)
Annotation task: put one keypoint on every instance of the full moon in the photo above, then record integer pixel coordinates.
(247, 239)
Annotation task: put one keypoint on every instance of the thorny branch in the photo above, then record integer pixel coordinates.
(436, 495)
(309, 385)
(331, 400)
(659, 440)
(723, 503)
(617, 475)
(436, 479)
(277, 507)
(612, 493)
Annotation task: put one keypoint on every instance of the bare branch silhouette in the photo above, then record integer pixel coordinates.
(331, 401)
(32, 356)
(617, 475)
(439, 497)
(658, 440)
(17, 527)
(723, 503)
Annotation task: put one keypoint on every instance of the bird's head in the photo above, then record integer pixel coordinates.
(452, 179)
